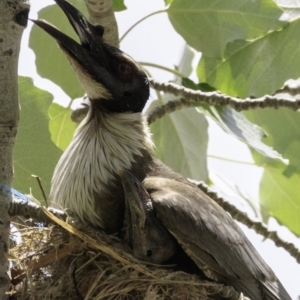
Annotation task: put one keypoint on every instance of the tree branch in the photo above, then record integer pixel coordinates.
(258, 226)
(13, 19)
(189, 97)
(29, 209)
(215, 98)
(102, 12)
(165, 109)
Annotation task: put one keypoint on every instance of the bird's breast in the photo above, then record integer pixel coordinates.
(86, 179)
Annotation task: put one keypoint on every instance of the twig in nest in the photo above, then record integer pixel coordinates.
(73, 275)
(41, 187)
(29, 209)
(93, 243)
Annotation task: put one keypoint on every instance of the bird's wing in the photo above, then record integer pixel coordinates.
(207, 233)
(212, 239)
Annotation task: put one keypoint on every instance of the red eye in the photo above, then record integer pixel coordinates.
(124, 69)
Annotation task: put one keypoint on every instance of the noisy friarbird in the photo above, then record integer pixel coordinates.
(114, 135)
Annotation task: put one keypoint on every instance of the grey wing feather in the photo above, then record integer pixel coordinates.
(211, 237)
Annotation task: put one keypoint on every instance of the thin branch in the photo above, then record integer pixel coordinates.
(215, 98)
(139, 21)
(232, 160)
(28, 209)
(38, 179)
(25, 209)
(173, 71)
(165, 109)
(258, 226)
(102, 12)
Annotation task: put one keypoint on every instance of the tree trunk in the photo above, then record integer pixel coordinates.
(13, 19)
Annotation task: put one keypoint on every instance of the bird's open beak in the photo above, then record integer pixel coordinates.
(89, 55)
(89, 39)
(104, 71)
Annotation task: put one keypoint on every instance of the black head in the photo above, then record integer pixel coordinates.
(112, 79)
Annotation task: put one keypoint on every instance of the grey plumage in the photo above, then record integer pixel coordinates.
(203, 230)
(114, 134)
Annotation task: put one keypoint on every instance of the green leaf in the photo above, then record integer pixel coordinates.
(119, 5)
(283, 133)
(280, 197)
(50, 60)
(234, 123)
(181, 140)
(61, 126)
(257, 68)
(238, 125)
(209, 26)
(167, 2)
(34, 152)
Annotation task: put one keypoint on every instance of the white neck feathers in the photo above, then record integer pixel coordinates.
(102, 143)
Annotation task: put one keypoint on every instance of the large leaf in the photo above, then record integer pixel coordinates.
(50, 61)
(280, 197)
(34, 152)
(237, 124)
(283, 133)
(181, 142)
(61, 126)
(234, 123)
(209, 26)
(256, 68)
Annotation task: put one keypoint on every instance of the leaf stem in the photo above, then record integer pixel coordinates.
(231, 160)
(175, 72)
(141, 20)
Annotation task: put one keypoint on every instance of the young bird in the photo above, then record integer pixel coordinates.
(114, 135)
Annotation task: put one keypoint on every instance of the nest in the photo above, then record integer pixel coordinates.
(62, 262)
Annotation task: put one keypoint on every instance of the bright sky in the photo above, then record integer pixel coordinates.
(155, 41)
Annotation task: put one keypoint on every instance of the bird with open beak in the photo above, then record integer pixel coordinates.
(114, 135)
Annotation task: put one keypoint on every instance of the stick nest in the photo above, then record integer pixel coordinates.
(61, 262)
